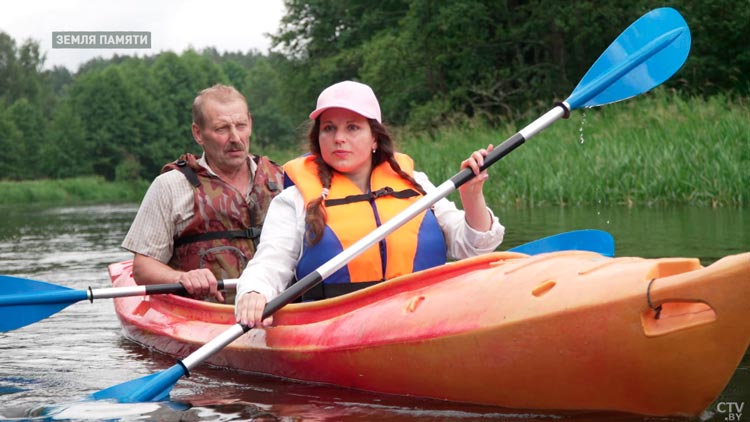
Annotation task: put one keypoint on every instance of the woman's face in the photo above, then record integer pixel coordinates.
(346, 142)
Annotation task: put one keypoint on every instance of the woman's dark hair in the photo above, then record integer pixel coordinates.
(316, 213)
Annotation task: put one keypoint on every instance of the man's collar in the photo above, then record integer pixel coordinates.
(203, 163)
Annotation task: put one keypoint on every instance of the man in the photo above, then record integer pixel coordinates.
(202, 222)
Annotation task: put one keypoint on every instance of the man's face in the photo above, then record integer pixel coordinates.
(225, 135)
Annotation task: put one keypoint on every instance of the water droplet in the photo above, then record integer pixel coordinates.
(580, 129)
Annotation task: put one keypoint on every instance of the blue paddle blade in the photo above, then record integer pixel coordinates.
(15, 317)
(580, 240)
(646, 54)
(25, 301)
(154, 387)
(15, 285)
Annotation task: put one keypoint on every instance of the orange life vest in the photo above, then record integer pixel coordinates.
(417, 245)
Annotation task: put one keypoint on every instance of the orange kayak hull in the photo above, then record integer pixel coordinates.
(559, 331)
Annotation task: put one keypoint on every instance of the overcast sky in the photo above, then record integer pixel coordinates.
(228, 25)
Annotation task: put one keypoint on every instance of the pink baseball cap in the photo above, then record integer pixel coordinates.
(350, 95)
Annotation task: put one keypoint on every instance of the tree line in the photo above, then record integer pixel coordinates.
(432, 64)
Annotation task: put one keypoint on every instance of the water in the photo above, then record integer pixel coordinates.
(581, 139)
(47, 368)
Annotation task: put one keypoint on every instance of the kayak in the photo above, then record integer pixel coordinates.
(571, 330)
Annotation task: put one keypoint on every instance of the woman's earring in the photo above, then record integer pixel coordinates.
(373, 150)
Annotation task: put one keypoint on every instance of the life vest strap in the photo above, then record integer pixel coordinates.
(386, 191)
(251, 233)
(188, 172)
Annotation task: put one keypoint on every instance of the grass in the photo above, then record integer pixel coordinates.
(656, 149)
(71, 191)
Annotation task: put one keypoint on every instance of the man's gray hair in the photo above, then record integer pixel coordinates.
(220, 93)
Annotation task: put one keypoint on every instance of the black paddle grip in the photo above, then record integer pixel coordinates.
(496, 154)
(174, 288)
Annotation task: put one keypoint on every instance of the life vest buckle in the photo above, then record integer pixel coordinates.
(252, 233)
(382, 192)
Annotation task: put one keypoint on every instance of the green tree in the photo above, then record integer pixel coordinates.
(21, 73)
(9, 69)
(64, 152)
(108, 105)
(273, 121)
(236, 73)
(154, 131)
(11, 165)
(32, 127)
(59, 78)
(174, 92)
(719, 58)
(431, 64)
(32, 85)
(430, 61)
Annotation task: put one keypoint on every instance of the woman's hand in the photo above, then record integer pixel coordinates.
(249, 310)
(472, 196)
(474, 162)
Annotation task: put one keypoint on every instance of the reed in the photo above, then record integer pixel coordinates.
(657, 149)
(68, 191)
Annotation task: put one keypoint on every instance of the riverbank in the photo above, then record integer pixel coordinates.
(79, 190)
(657, 149)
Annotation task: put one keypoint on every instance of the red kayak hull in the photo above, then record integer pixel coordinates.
(559, 331)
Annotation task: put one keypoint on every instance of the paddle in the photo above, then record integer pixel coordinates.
(643, 56)
(580, 240)
(24, 301)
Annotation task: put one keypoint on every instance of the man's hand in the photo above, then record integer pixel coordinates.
(199, 283)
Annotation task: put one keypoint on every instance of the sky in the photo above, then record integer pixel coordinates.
(175, 25)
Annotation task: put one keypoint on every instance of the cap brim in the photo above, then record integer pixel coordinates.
(314, 115)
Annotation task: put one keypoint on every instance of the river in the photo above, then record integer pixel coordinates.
(47, 368)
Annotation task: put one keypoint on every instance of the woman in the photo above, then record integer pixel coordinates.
(351, 182)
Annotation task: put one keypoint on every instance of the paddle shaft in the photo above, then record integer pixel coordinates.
(72, 296)
(150, 289)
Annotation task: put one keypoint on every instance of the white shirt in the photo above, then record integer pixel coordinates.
(273, 267)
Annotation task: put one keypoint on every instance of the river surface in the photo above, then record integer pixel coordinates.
(47, 368)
